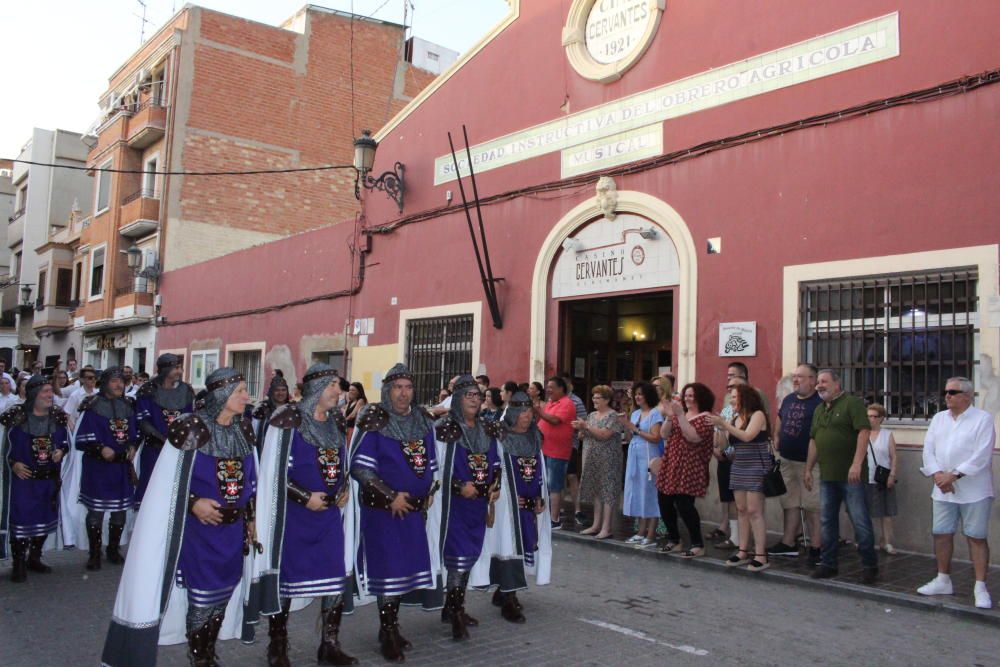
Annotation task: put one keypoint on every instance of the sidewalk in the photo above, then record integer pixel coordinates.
(899, 574)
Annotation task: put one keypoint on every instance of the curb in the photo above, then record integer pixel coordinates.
(840, 587)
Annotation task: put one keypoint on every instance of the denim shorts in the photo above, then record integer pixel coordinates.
(555, 474)
(975, 518)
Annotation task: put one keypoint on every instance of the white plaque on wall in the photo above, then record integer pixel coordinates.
(624, 254)
(737, 339)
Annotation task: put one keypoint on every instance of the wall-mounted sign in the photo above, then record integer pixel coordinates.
(737, 339)
(612, 151)
(826, 55)
(604, 38)
(115, 341)
(627, 253)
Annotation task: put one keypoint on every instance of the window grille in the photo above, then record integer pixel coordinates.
(437, 349)
(894, 339)
(247, 362)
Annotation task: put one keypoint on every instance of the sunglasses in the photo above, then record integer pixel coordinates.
(953, 392)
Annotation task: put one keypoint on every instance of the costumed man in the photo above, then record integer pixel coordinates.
(277, 396)
(303, 490)
(158, 403)
(189, 567)
(33, 443)
(394, 463)
(520, 540)
(470, 465)
(106, 435)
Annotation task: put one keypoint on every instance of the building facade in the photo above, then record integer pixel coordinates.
(211, 92)
(8, 317)
(39, 292)
(669, 187)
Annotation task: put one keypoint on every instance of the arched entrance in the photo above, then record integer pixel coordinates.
(668, 222)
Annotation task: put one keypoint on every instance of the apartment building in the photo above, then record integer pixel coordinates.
(38, 296)
(210, 92)
(8, 196)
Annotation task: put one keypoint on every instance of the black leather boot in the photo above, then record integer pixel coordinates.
(388, 632)
(35, 563)
(498, 598)
(19, 553)
(511, 609)
(214, 625)
(454, 604)
(114, 539)
(446, 613)
(94, 537)
(329, 652)
(277, 631)
(200, 648)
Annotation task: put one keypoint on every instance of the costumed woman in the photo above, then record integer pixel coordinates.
(277, 396)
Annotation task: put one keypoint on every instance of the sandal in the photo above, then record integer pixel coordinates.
(757, 566)
(693, 552)
(603, 536)
(589, 531)
(668, 547)
(717, 534)
(736, 561)
(726, 544)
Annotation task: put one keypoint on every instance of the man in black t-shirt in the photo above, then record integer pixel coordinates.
(792, 426)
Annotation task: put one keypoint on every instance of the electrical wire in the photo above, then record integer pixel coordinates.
(251, 172)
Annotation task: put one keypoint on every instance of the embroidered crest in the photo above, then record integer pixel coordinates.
(119, 430)
(528, 465)
(41, 447)
(229, 473)
(479, 467)
(329, 466)
(416, 456)
(170, 415)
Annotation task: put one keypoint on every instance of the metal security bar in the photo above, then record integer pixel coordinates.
(437, 349)
(247, 362)
(895, 339)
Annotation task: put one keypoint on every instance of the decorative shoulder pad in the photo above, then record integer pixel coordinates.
(59, 417)
(262, 411)
(87, 403)
(147, 389)
(247, 427)
(130, 400)
(447, 430)
(373, 418)
(13, 416)
(341, 421)
(495, 430)
(188, 432)
(286, 416)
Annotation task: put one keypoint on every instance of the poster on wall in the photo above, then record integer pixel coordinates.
(738, 339)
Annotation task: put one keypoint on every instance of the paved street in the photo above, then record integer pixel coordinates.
(605, 608)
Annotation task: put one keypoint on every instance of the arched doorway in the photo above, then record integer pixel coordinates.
(675, 286)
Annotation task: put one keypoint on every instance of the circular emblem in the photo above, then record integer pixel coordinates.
(604, 38)
(638, 255)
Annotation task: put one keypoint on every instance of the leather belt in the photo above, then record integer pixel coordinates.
(231, 515)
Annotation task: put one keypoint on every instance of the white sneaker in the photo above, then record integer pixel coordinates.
(635, 538)
(936, 586)
(983, 599)
(645, 542)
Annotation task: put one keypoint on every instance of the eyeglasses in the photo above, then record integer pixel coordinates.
(730, 387)
(953, 392)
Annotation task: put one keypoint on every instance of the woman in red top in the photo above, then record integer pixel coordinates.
(683, 476)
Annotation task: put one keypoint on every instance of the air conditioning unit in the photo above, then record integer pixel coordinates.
(141, 76)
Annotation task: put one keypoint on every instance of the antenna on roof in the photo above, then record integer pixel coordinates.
(142, 21)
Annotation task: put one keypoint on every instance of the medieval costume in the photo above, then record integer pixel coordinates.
(157, 406)
(186, 579)
(393, 453)
(307, 553)
(468, 456)
(106, 484)
(29, 508)
(520, 540)
(262, 413)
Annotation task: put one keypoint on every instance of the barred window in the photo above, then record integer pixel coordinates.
(895, 339)
(437, 349)
(247, 362)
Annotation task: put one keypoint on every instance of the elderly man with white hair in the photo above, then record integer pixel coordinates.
(958, 455)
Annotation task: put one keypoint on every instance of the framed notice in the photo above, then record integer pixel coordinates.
(738, 339)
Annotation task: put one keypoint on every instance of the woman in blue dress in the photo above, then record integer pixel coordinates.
(645, 446)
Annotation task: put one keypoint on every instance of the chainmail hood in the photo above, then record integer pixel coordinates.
(325, 434)
(414, 425)
(227, 441)
(521, 444)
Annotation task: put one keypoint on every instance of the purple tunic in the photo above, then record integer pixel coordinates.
(312, 549)
(34, 503)
(106, 486)
(147, 409)
(465, 522)
(528, 482)
(211, 559)
(393, 554)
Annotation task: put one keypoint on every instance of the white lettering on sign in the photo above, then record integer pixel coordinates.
(614, 150)
(613, 256)
(615, 28)
(856, 46)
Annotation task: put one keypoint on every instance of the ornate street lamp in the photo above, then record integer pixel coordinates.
(390, 182)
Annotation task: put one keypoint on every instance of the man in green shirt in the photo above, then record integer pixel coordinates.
(839, 442)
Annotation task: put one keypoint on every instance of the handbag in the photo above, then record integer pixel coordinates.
(881, 472)
(774, 483)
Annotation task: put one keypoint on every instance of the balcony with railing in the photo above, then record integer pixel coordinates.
(134, 301)
(149, 117)
(69, 233)
(140, 214)
(50, 317)
(15, 229)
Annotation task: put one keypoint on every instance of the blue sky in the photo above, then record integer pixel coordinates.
(60, 53)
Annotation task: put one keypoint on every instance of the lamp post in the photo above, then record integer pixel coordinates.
(26, 295)
(390, 182)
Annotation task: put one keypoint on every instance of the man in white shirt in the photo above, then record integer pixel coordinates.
(958, 454)
(444, 406)
(88, 387)
(7, 396)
